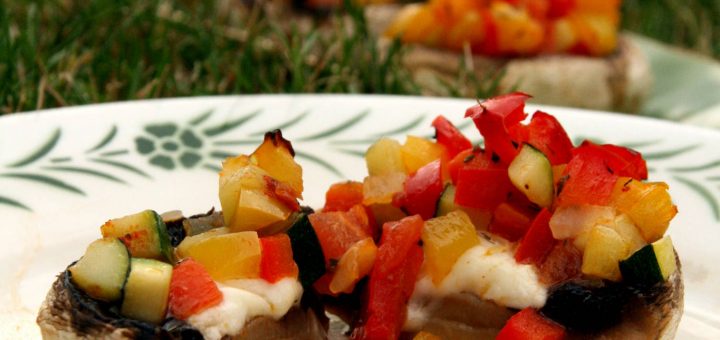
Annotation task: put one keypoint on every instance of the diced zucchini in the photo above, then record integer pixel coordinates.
(532, 174)
(146, 291)
(604, 249)
(307, 252)
(102, 271)
(446, 204)
(144, 234)
(651, 264)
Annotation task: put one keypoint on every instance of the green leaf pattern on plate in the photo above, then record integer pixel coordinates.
(199, 144)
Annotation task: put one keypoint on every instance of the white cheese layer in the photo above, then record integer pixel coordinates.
(244, 300)
(488, 271)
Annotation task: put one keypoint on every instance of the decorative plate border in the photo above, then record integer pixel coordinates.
(199, 144)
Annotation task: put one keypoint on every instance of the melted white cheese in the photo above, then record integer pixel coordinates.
(244, 300)
(488, 271)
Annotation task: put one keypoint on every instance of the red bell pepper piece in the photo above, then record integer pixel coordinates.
(587, 179)
(348, 196)
(192, 290)
(482, 183)
(392, 280)
(457, 162)
(624, 162)
(547, 135)
(343, 196)
(494, 117)
(538, 241)
(528, 324)
(337, 231)
(322, 285)
(276, 261)
(450, 137)
(423, 189)
(510, 221)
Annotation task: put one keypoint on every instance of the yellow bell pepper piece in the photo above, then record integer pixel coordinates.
(276, 157)
(603, 251)
(445, 239)
(384, 157)
(648, 204)
(353, 266)
(225, 256)
(417, 152)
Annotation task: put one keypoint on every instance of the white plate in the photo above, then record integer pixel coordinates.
(64, 172)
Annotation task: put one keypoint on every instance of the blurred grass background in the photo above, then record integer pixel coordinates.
(68, 52)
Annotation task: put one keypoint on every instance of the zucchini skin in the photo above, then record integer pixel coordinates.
(641, 268)
(307, 252)
(95, 319)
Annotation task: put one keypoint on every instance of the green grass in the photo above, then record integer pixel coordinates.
(67, 52)
(693, 24)
(53, 54)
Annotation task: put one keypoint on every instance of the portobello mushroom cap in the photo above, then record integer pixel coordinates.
(69, 313)
(644, 313)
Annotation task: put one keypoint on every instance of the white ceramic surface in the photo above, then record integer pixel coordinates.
(64, 172)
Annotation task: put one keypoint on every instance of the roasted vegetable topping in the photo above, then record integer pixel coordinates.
(445, 239)
(651, 264)
(143, 233)
(101, 272)
(306, 251)
(146, 291)
(277, 258)
(392, 280)
(226, 256)
(528, 324)
(192, 290)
